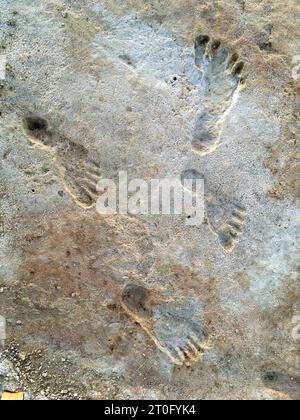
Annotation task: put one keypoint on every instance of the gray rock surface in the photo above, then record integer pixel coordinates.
(128, 306)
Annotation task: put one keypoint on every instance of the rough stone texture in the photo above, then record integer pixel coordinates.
(94, 87)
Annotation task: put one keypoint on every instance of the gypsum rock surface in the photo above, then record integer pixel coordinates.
(160, 89)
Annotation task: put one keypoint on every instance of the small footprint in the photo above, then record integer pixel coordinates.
(79, 174)
(229, 224)
(229, 234)
(168, 324)
(221, 78)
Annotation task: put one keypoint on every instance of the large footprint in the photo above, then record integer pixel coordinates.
(226, 219)
(168, 324)
(79, 174)
(221, 78)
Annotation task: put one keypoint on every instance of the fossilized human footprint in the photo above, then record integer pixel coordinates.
(225, 218)
(168, 324)
(79, 174)
(230, 231)
(221, 78)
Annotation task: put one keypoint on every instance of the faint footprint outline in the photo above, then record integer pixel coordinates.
(221, 81)
(78, 173)
(139, 304)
